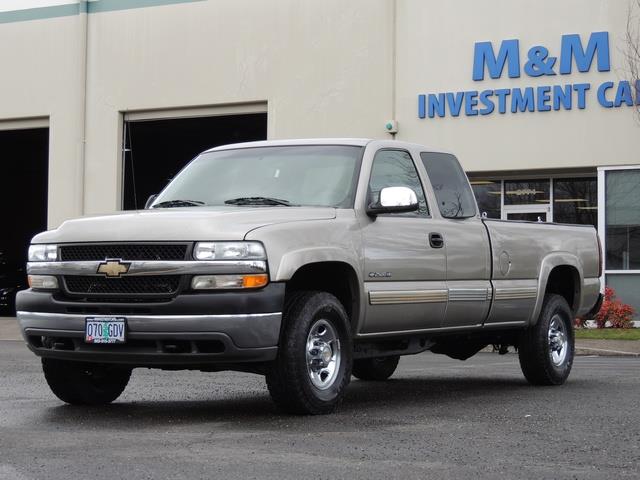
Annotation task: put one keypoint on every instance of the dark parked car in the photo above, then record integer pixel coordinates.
(12, 279)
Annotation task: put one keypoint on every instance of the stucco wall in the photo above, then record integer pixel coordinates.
(42, 76)
(323, 69)
(435, 54)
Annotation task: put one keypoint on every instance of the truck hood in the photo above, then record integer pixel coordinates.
(179, 224)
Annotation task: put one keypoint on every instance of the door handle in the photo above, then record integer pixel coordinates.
(436, 240)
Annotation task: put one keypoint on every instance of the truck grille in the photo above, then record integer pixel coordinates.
(130, 251)
(144, 285)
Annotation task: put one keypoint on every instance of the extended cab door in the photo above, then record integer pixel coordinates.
(404, 275)
(465, 239)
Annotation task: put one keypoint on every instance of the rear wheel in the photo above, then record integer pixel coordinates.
(85, 383)
(313, 367)
(546, 349)
(379, 368)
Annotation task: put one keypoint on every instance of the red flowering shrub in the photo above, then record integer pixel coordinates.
(613, 311)
(580, 322)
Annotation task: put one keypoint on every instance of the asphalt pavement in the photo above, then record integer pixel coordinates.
(436, 418)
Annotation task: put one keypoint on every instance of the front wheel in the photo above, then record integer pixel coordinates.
(85, 383)
(547, 348)
(313, 367)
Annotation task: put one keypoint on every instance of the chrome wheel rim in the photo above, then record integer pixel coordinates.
(558, 340)
(323, 354)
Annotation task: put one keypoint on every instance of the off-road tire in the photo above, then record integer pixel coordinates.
(85, 383)
(375, 369)
(288, 377)
(535, 351)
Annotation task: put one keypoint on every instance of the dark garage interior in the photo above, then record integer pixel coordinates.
(155, 150)
(23, 194)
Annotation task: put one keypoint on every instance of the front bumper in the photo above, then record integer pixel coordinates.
(190, 329)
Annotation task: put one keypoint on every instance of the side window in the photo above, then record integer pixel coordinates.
(395, 168)
(453, 194)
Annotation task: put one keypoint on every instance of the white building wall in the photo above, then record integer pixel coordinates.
(435, 54)
(323, 69)
(42, 76)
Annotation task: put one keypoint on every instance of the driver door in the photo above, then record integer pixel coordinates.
(404, 275)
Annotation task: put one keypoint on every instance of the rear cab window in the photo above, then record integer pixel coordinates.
(450, 185)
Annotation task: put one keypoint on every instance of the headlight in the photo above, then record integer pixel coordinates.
(43, 253)
(229, 251)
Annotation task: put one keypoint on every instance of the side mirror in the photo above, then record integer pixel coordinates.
(394, 200)
(150, 201)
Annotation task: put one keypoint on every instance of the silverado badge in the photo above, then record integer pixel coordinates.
(113, 268)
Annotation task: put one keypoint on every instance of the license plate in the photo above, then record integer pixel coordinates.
(105, 330)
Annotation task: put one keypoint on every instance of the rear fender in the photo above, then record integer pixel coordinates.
(551, 261)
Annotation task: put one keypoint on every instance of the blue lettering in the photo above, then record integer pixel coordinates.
(520, 102)
(543, 97)
(436, 105)
(502, 99)
(540, 63)
(487, 102)
(602, 94)
(562, 95)
(470, 103)
(623, 94)
(581, 88)
(638, 92)
(483, 54)
(421, 109)
(455, 102)
(572, 48)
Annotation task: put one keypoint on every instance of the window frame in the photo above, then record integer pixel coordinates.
(420, 180)
(428, 176)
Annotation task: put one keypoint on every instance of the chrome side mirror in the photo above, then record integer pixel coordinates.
(394, 200)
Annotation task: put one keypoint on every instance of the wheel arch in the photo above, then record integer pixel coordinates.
(339, 278)
(560, 273)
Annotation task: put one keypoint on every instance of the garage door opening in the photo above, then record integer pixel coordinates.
(155, 150)
(23, 194)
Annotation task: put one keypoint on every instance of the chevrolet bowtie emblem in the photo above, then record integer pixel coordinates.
(113, 268)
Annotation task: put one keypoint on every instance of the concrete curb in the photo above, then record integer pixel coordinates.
(604, 352)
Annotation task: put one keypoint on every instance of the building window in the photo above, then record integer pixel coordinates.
(622, 218)
(489, 197)
(575, 200)
(526, 192)
(557, 199)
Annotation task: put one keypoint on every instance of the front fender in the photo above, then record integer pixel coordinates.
(292, 261)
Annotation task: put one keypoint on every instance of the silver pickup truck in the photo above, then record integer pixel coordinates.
(307, 261)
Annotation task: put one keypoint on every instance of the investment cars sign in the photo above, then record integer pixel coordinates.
(540, 62)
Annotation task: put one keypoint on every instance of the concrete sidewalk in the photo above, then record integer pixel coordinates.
(9, 331)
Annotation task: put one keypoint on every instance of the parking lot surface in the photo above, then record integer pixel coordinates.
(436, 418)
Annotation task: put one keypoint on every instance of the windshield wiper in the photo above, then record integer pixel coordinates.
(258, 201)
(178, 203)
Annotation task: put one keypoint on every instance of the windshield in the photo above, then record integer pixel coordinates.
(310, 175)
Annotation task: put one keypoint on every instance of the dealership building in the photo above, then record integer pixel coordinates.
(103, 101)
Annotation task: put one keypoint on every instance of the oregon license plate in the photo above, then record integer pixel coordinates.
(105, 330)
